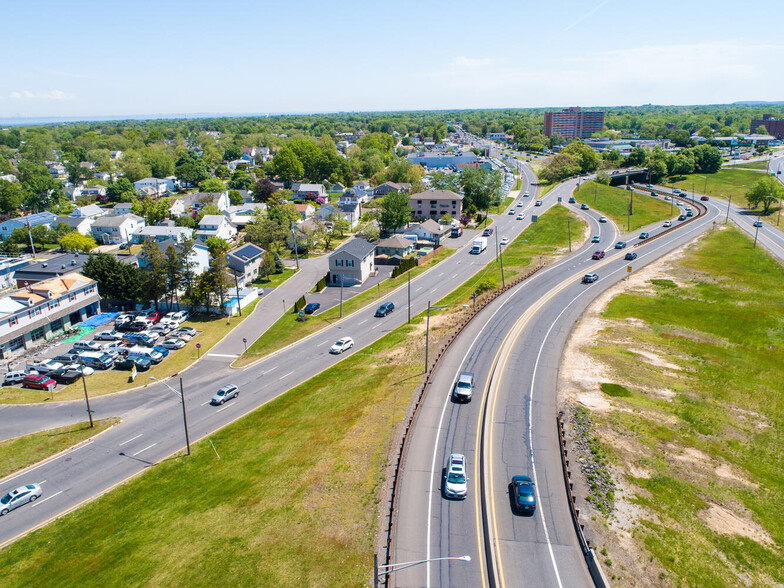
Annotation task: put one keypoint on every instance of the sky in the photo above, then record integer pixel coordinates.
(90, 59)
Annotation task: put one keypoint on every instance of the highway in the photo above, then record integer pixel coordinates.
(152, 428)
(514, 348)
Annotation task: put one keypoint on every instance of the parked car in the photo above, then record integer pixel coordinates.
(342, 345)
(162, 350)
(44, 366)
(39, 382)
(225, 393)
(155, 316)
(187, 331)
(65, 375)
(631, 256)
(142, 364)
(584, 206)
(16, 498)
(644, 235)
(590, 278)
(455, 480)
(602, 219)
(86, 346)
(311, 307)
(524, 494)
(107, 336)
(162, 328)
(16, 377)
(172, 344)
(177, 318)
(385, 309)
(620, 245)
(667, 223)
(597, 254)
(66, 358)
(595, 239)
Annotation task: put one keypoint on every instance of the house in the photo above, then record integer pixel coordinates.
(161, 233)
(306, 210)
(354, 196)
(236, 164)
(245, 262)
(388, 187)
(350, 212)
(31, 220)
(30, 316)
(116, 229)
(115, 155)
(122, 208)
(241, 214)
(9, 178)
(53, 267)
(395, 245)
(89, 211)
(215, 225)
(87, 165)
(313, 191)
(57, 170)
(198, 260)
(337, 187)
(201, 199)
(436, 203)
(105, 176)
(429, 230)
(80, 224)
(352, 263)
(96, 191)
(361, 186)
(8, 268)
(177, 208)
(248, 153)
(153, 186)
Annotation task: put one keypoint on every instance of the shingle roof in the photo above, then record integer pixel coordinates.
(247, 252)
(396, 241)
(115, 221)
(433, 194)
(358, 248)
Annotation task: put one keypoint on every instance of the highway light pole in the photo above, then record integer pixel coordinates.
(409, 296)
(755, 234)
(379, 571)
(427, 327)
(86, 398)
(726, 220)
(181, 394)
(569, 230)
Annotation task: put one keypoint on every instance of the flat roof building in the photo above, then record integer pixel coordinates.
(775, 126)
(573, 123)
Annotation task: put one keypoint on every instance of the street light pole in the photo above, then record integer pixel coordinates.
(427, 327)
(409, 296)
(755, 235)
(86, 398)
(726, 220)
(569, 230)
(341, 296)
(181, 394)
(396, 567)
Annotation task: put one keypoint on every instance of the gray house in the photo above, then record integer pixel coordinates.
(245, 262)
(352, 263)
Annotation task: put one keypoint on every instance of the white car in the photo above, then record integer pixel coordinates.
(505, 240)
(668, 223)
(511, 211)
(602, 219)
(173, 344)
(521, 216)
(108, 336)
(520, 203)
(88, 371)
(526, 194)
(342, 345)
(44, 366)
(225, 393)
(154, 335)
(18, 497)
(17, 376)
(455, 480)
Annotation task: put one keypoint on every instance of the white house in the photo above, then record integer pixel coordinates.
(161, 233)
(316, 190)
(116, 229)
(177, 208)
(305, 209)
(153, 186)
(242, 214)
(245, 263)
(80, 224)
(122, 208)
(350, 212)
(353, 196)
(96, 191)
(429, 230)
(199, 257)
(89, 211)
(215, 225)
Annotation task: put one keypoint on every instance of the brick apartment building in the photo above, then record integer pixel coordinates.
(775, 126)
(573, 123)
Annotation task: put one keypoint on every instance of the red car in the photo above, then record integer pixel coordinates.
(155, 316)
(39, 382)
(597, 255)
(487, 232)
(703, 198)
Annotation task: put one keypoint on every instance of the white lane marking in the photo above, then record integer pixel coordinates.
(223, 355)
(272, 369)
(37, 502)
(203, 403)
(323, 343)
(285, 376)
(439, 275)
(363, 322)
(42, 482)
(131, 439)
(145, 449)
(418, 289)
(224, 408)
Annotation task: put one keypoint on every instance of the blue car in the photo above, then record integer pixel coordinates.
(162, 350)
(311, 307)
(524, 495)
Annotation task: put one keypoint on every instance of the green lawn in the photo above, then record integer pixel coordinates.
(720, 320)
(287, 329)
(540, 240)
(275, 280)
(21, 452)
(614, 203)
(750, 164)
(211, 330)
(724, 183)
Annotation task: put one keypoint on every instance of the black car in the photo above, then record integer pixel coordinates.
(311, 307)
(64, 376)
(385, 309)
(682, 217)
(524, 495)
(142, 364)
(631, 256)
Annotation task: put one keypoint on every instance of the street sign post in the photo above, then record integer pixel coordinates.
(198, 352)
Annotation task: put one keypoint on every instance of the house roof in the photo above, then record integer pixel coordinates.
(348, 207)
(358, 248)
(38, 218)
(433, 194)
(52, 267)
(115, 221)
(155, 231)
(303, 207)
(396, 242)
(89, 210)
(212, 219)
(298, 187)
(433, 227)
(74, 221)
(247, 252)
(123, 205)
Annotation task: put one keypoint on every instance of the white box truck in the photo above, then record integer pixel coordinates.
(479, 245)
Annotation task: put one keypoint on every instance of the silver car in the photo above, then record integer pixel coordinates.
(18, 497)
(225, 393)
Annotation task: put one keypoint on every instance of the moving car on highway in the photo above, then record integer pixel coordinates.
(385, 309)
(644, 235)
(631, 256)
(758, 223)
(667, 223)
(620, 245)
(602, 219)
(16, 498)
(463, 387)
(342, 345)
(597, 254)
(455, 480)
(524, 495)
(590, 278)
(227, 392)
(595, 239)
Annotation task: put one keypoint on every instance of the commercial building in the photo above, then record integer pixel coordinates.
(775, 126)
(30, 316)
(436, 203)
(438, 160)
(53, 267)
(9, 265)
(573, 123)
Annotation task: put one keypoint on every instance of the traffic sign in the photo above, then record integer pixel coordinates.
(629, 269)
(534, 218)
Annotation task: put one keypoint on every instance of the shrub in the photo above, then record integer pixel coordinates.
(407, 264)
(485, 284)
(615, 390)
(299, 304)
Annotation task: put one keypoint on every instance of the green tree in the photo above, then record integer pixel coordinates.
(235, 198)
(241, 181)
(636, 157)
(75, 241)
(154, 271)
(267, 265)
(444, 181)
(188, 270)
(121, 190)
(588, 158)
(765, 192)
(308, 154)
(286, 165)
(190, 169)
(560, 167)
(222, 172)
(11, 196)
(219, 280)
(116, 280)
(231, 152)
(152, 211)
(173, 265)
(211, 185)
(395, 211)
(263, 190)
(707, 159)
(161, 164)
(481, 187)
(41, 189)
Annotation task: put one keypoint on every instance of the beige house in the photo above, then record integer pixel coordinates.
(436, 203)
(352, 263)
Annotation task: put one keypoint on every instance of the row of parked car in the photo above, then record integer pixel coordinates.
(124, 350)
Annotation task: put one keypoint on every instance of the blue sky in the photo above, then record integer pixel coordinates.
(87, 58)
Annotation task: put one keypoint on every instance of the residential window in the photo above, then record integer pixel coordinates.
(418, 202)
(453, 203)
(37, 334)
(349, 263)
(34, 312)
(71, 297)
(339, 263)
(12, 321)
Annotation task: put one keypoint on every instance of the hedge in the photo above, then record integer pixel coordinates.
(405, 265)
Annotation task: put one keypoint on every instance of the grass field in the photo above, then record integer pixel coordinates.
(21, 452)
(614, 203)
(211, 330)
(724, 183)
(287, 329)
(699, 438)
(275, 280)
(750, 165)
(542, 239)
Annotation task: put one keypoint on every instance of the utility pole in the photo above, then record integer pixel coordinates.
(409, 296)
(237, 287)
(755, 235)
(185, 419)
(87, 398)
(727, 219)
(496, 246)
(296, 247)
(501, 257)
(30, 234)
(427, 334)
(341, 296)
(569, 230)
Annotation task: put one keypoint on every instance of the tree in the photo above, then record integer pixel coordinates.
(636, 157)
(339, 225)
(121, 190)
(367, 231)
(235, 198)
(308, 154)
(267, 265)
(160, 162)
(218, 280)
(173, 267)
(560, 167)
(395, 211)
(279, 267)
(154, 271)
(190, 169)
(187, 273)
(241, 181)
(116, 280)
(707, 159)
(40, 187)
(153, 211)
(11, 196)
(588, 158)
(211, 185)
(75, 241)
(222, 172)
(263, 190)
(231, 152)
(765, 191)
(286, 165)
(444, 181)
(186, 220)
(481, 187)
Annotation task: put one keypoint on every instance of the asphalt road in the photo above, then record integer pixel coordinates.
(514, 349)
(151, 427)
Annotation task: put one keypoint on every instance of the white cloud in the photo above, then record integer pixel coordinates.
(53, 95)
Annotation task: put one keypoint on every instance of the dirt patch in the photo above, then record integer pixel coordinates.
(723, 521)
(726, 472)
(655, 359)
(688, 455)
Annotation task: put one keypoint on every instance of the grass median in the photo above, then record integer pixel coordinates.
(211, 330)
(275, 280)
(614, 203)
(21, 452)
(724, 183)
(293, 499)
(696, 435)
(287, 329)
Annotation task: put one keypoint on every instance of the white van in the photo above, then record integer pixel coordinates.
(87, 346)
(97, 359)
(176, 318)
(146, 352)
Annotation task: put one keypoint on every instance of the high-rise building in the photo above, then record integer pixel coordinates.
(775, 126)
(573, 122)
